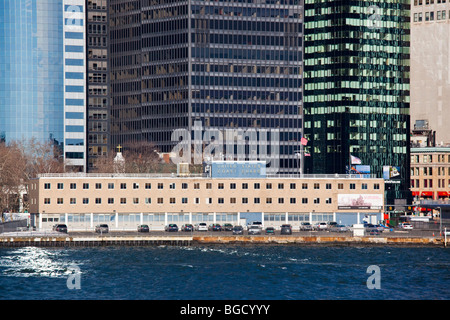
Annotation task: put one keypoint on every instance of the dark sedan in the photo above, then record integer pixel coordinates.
(60, 228)
(286, 229)
(143, 228)
(187, 227)
(172, 228)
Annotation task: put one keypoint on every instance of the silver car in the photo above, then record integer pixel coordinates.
(305, 226)
(254, 230)
(102, 228)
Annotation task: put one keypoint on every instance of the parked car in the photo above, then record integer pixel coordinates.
(215, 227)
(227, 227)
(201, 227)
(286, 229)
(331, 224)
(270, 230)
(172, 228)
(254, 230)
(256, 224)
(320, 226)
(372, 229)
(143, 228)
(102, 228)
(60, 228)
(238, 230)
(340, 228)
(406, 226)
(305, 226)
(187, 227)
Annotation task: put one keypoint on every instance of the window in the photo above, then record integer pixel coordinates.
(268, 200)
(328, 186)
(364, 186)
(256, 185)
(148, 186)
(209, 186)
(340, 186)
(73, 186)
(197, 200)
(245, 186)
(184, 200)
(98, 200)
(60, 186)
(232, 200)
(244, 200)
(160, 200)
(148, 200)
(220, 186)
(184, 185)
(268, 186)
(47, 186)
(256, 200)
(280, 200)
(376, 186)
(352, 186)
(172, 186)
(220, 200)
(123, 186)
(46, 200)
(160, 185)
(304, 200)
(60, 201)
(135, 185)
(232, 185)
(135, 200)
(316, 200)
(196, 186)
(73, 201)
(328, 200)
(85, 200)
(98, 186)
(209, 200)
(110, 200)
(123, 200)
(85, 186)
(281, 186)
(110, 185)
(172, 200)
(316, 185)
(292, 186)
(292, 200)
(304, 186)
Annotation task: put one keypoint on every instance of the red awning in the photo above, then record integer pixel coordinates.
(416, 193)
(442, 194)
(427, 193)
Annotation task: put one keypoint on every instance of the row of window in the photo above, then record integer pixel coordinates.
(243, 200)
(428, 183)
(421, 2)
(428, 171)
(428, 158)
(429, 16)
(209, 185)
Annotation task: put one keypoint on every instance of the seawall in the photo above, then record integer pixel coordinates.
(92, 241)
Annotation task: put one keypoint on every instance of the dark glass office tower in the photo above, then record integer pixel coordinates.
(98, 80)
(356, 90)
(229, 65)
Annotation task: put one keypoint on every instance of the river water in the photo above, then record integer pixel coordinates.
(224, 272)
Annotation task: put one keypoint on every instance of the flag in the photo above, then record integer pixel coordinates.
(307, 155)
(304, 141)
(355, 160)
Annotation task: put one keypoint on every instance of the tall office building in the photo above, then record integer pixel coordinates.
(430, 65)
(356, 90)
(97, 81)
(223, 65)
(42, 63)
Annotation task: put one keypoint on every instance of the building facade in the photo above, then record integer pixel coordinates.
(430, 173)
(98, 106)
(42, 62)
(356, 90)
(214, 65)
(124, 202)
(430, 65)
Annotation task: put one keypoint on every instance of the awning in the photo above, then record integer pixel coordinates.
(415, 193)
(442, 194)
(427, 193)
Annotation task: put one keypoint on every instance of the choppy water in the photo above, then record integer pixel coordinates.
(224, 272)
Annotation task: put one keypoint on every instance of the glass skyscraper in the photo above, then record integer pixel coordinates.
(42, 67)
(356, 90)
(225, 65)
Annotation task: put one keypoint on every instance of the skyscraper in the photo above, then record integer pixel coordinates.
(225, 65)
(356, 90)
(430, 65)
(42, 63)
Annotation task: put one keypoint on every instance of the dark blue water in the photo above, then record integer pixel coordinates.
(225, 272)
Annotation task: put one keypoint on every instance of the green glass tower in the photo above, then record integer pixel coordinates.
(356, 87)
